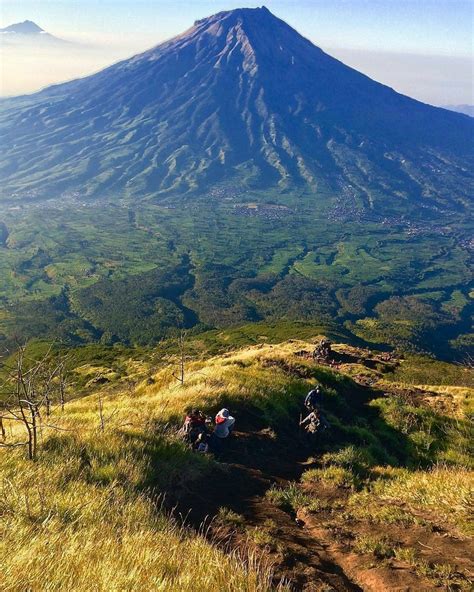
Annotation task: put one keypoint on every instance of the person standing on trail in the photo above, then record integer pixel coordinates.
(312, 422)
(311, 401)
(222, 430)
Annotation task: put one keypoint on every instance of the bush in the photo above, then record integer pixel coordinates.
(227, 517)
(350, 457)
(332, 475)
(290, 498)
(406, 554)
(380, 547)
(260, 536)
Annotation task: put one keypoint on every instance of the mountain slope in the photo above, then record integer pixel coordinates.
(466, 109)
(241, 96)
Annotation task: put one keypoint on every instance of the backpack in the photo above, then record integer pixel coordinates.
(313, 423)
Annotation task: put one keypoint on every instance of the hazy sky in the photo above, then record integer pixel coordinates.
(420, 47)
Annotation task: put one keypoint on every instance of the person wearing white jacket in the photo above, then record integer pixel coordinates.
(224, 425)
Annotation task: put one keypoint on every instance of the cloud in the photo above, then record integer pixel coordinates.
(434, 79)
(28, 66)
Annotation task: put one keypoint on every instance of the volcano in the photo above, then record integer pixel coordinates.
(24, 28)
(240, 97)
(27, 32)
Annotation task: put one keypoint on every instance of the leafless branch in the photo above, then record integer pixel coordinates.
(35, 386)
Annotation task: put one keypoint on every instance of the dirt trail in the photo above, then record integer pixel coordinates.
(299, 557)
(311, 551)
(394, 576)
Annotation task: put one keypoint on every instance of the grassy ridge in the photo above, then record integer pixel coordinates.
(80, 504)
(87, 499)
(92, 498)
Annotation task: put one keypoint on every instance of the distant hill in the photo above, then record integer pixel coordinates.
(24, 28)
(27, 31)
(466, 109)
(241, 97)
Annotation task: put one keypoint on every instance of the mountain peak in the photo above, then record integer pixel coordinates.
(25, 28)
(240, 95)
(228, 16)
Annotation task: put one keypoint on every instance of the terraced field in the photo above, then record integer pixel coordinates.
(386, 282)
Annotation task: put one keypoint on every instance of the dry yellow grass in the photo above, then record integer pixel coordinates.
(456, 401)
(448, 491)
(75, 520)
(462, 397)
(91, 538)
(82, 517)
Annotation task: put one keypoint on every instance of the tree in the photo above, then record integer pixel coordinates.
(32, 387)
(182, 357)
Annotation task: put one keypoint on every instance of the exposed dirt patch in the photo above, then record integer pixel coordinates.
(297, 557)
(432, 546)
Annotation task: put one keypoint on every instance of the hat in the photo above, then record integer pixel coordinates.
(222, 415)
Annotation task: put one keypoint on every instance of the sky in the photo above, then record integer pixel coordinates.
(423, 48)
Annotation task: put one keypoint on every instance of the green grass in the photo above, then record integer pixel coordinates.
(379, 546)
(362, 506)
(227, 517)
(447, 492)
(424, 370)
(290, 498)
(338, 275)
(333, 476)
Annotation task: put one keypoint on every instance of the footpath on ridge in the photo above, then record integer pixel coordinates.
(311, 551)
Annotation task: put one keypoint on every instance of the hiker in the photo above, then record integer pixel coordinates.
(222, 430)
(311, 422)
(194, 424)
(202, 443)
(311, 401)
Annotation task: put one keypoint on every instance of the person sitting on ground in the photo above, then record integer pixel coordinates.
(202, 443)
(312, 398)
(224, 424)
(222, 430)
(194, 424)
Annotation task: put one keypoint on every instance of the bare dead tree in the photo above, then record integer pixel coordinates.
(62, 383)
(31, 387)
(182, 357)
(103, 417)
